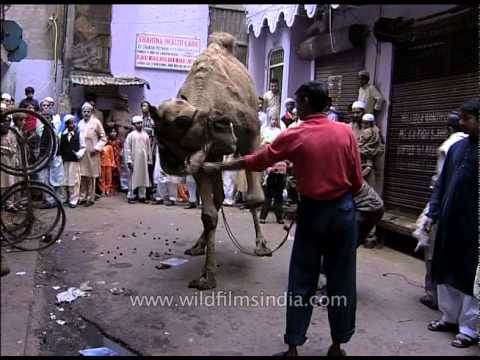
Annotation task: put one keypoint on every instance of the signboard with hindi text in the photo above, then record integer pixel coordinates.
(166, 52)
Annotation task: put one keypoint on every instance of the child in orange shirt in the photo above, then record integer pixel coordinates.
(108, 163)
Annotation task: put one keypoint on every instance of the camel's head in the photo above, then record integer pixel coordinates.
(183, 129)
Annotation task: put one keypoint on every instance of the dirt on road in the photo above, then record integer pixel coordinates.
(111, 244)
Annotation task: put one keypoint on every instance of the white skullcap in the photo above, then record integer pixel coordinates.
(137, 119)
(358, 105)
(49, 99)
(87, 105)
(6, 96)
(68, 117)
(289, 100)
(368, 117)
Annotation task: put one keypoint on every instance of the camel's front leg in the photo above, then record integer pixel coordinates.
(261, 248)
(207, 185)
(255, 196)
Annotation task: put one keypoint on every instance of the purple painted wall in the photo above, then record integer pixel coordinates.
(299, 70)
(32, 72)
(256, 63)
(127, 21)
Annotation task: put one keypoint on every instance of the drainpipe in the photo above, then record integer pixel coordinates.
(65, 103)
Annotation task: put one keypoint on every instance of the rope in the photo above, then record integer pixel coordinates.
(404, 278)
(232, 237)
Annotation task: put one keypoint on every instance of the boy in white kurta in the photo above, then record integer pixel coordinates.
(138, 154)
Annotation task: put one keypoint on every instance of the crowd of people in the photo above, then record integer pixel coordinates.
(95, 157)
(99, 157)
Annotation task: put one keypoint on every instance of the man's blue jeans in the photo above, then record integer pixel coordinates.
(328, 229)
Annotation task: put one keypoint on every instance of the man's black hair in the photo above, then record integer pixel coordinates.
(471, 107)
(29, 89)
(146, 102)
(317, 93)
(274, 81)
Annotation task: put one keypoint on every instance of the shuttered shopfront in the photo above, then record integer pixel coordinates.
(433, 75)
(341, 72)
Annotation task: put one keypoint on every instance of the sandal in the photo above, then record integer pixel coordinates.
(439, 325)
(463, 341)
(428, 302)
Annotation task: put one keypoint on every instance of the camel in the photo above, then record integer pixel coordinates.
(214, 114)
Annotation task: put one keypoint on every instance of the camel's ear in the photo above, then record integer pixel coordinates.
(156, 114)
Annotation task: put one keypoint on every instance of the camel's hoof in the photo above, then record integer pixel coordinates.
(195, 251)
(203, 283)
(263, 250)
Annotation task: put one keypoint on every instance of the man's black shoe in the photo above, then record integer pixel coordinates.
(191, 206)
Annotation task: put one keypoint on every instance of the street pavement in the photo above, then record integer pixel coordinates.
(109, 246)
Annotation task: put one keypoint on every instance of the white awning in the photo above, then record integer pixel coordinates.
(260, 15)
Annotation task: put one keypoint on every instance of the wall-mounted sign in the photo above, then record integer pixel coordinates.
(166, 52)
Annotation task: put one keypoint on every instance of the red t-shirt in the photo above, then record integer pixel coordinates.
(325, 157)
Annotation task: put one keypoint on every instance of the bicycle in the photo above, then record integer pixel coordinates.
(25, 225)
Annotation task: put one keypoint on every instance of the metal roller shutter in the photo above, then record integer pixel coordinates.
(433, 76)
(340, 71)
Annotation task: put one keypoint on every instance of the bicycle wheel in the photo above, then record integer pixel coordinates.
(30, 227)
(39, 149)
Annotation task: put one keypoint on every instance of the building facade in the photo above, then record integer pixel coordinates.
(414, 54)
(42, 67)
(127, 22)
(112, 50)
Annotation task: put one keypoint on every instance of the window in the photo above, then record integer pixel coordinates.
(275, 68)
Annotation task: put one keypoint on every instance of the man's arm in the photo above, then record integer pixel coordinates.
(281, 149)
(379, 99)
(102, 137)
(149, 152)
(356, 177)
(439, 191)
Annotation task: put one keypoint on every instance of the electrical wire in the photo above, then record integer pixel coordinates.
(53, 20)
(330, 28)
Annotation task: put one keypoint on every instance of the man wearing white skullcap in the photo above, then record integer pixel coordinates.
(138, 155)
(371, 145)
(369, 94)
(288, 118)
(93, 134)
(358, 109)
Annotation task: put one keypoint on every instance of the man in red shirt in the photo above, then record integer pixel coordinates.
(327, 167)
